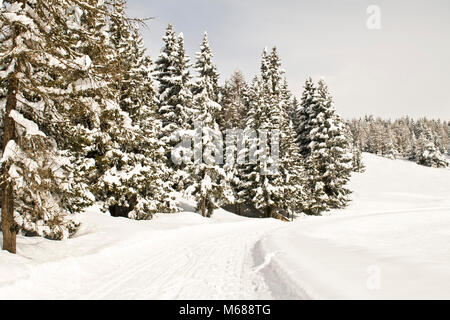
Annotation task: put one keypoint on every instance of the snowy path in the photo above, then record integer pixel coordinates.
(207, 261)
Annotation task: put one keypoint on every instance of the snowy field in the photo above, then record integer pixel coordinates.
(393, 241)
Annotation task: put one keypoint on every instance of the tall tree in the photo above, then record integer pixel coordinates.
(47, 75)
(209, 180)
(175, 99)
(234, 101)
(274, 183)
(329, 159)
(304, 116)
(133, 181)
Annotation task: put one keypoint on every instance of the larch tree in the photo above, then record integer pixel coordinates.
(234, 101)
(46, 75)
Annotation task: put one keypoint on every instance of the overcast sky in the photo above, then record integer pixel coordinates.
(401, 69)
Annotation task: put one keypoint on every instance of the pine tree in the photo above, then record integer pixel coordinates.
(209, 179)
(304, 116)
(274, 183)
(208, 75)
(329, 161)
(134, 178)
(176, 108)
(172, 74)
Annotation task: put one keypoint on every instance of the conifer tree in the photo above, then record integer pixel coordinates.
(47, 75)
(172, 74)
(233, 100)
(274, 183)
(329, 150)
(322, 139)
(175, 108)
(208, 75)
(134, 178)
(209, 179)
(304, 116)
(426, 152)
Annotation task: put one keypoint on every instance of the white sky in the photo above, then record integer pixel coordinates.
(401, 69)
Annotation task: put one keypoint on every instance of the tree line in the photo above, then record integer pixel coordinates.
(424, 141)
(88, 117)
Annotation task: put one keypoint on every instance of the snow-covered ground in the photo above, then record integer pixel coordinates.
(392, 242)
(179, 256)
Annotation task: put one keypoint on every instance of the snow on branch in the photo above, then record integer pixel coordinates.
(30, 127)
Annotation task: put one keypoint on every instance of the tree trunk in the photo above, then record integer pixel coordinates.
(8, 224)
(268, 212)
(238, 208)
(204, 207)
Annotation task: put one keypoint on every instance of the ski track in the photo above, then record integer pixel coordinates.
(213, 261)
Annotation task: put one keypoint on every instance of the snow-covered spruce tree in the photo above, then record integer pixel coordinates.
(304, 119)
(304, 116)
(209, 180)
(174, 79)
(133, 181)
(329, 161)
(430, 156)
(272, 188)
(207, 70)
(175, 106)
(293, 169)
(45, 72)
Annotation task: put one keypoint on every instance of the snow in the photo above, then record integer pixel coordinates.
(30, 127)
(391, 242)
(173, 256)
(84, 62)
(11, 151)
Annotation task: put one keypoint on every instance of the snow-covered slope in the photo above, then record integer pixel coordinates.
(392, 242)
